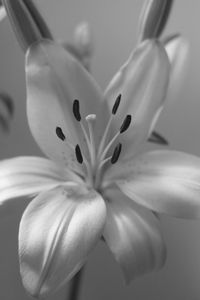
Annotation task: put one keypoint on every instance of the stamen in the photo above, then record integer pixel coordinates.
(79, 156)
(126, 123)
(116, 104)
(78, 153)
(77, 115)
(104, 137)
(103, 162)
(116, 153)
(89, 139)
(98, 171)
(60, 134)
(113, 159)
(76, 110)
(114, 110)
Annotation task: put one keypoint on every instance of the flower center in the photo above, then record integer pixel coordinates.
(98, 158)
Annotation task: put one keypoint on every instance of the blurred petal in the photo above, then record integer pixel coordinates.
(143, 82)
(163, 181)
(57, 232)
(133, 235)
(54, 80)
(2, 13)
(27, 176)
(178, 51)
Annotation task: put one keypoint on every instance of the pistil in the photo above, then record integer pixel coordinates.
(91, 120)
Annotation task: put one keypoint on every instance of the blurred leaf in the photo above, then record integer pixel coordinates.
(157, 138)
(6, 110)
(8, 102)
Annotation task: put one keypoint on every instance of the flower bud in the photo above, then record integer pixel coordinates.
(82, 46)
(83, 40)
(154, 18)
(27, 23)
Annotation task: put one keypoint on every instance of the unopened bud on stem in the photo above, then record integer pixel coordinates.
(83, 39)
(82, 46)
(154, 18)
(27, 23)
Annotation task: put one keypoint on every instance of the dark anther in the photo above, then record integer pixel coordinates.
(125, 124)
(79, 156)
(60, 133)
(76, 110)
(116, 104)
(116, 153)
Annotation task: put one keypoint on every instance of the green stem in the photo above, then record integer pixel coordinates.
(75, 286)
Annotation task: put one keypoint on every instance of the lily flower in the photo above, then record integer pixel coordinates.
(96, 182)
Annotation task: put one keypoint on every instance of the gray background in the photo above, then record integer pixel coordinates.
(114, 24)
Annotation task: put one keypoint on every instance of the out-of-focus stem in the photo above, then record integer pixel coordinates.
(75, 286)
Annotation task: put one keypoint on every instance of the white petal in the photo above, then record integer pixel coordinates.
(57, 232)
(27, 176)
(178, 51)
(54, 80)
(163, 181)
(133, 235)
(143, 83)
